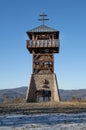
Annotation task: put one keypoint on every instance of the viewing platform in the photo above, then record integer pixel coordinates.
(55, 43)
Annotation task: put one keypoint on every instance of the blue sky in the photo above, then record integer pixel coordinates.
(19, 16)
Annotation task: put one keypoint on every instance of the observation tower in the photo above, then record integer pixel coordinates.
(43, 43)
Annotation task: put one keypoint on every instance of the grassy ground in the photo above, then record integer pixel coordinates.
(47, 107)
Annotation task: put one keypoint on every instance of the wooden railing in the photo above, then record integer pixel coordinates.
(42, 43)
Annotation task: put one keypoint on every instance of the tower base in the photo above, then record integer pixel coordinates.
(43, 87)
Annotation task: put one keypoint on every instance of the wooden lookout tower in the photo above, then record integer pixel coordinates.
(42, 44)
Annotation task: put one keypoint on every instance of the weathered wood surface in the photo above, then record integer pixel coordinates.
(42, 43)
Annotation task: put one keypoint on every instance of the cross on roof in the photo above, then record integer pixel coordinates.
(43, 15)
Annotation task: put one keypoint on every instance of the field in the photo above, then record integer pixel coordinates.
(40, 108)
(43, 116)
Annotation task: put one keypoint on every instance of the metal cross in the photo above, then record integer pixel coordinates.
(43, 15)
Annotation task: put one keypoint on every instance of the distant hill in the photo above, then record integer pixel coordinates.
(13, 93)
(69, 94)
(21, 93)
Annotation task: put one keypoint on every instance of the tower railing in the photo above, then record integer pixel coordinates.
(42, 43)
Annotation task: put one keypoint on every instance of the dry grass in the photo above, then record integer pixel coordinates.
(46, 107)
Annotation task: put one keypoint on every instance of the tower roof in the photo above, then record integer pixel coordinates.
(42, 28)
